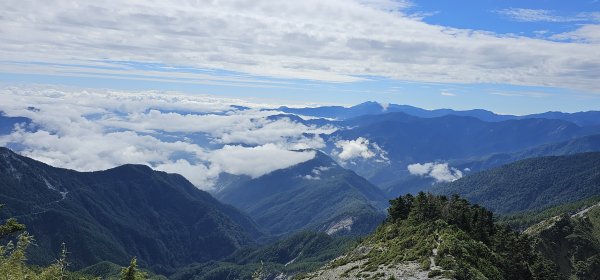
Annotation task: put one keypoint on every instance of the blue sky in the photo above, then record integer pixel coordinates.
(512, 57)
(500, 16)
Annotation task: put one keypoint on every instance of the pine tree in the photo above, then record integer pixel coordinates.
(132, 273)
(13, 258)
(10, 226)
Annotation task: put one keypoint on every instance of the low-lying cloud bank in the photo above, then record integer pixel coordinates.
(197, 136)
(441, 172)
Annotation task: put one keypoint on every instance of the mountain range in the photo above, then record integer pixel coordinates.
(314, 195)
(589, 118)
(535, 172)
(449, 139)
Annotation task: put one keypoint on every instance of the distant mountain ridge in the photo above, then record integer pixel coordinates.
(583, 144)
(314, 195)
(588, 118)
(408, 139)
(118, 213)
(414, 183)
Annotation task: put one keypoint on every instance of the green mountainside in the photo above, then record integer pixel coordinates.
(436, 236)
(530, 184)
(316, 195)
(296, 254)
(119, 213)
(106, 218)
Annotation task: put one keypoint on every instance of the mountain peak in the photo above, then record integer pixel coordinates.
(124, 211)
(6, 151)
(130, 167)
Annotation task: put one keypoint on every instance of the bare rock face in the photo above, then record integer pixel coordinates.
(406, 271)
(357, 269)
(344, 224)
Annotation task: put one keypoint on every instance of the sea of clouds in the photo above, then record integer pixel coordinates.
(198, 136)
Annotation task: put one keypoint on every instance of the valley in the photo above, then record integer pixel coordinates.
(330, 216)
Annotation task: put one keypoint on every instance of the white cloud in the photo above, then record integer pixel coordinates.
(335, 40)
(532, 15)
(90, 130)
(441, 172)
(388, 5)
(446, 93)
(538, 94)
(358, 148)
(256, 161)
(281, 130)
(384, 106)
(198, 174)
(316, 173)
(587, 33)
(347, 151)
(539, 15)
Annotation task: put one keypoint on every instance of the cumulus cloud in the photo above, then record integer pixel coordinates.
(359, 148)
(197, 136)
(337, 41)
(441, 172)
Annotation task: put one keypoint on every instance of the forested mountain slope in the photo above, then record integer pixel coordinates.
(119, 213)
(530, 184)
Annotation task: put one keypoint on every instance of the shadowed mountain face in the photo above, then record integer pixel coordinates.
(317, 194)
(115, 214)
(531, 184)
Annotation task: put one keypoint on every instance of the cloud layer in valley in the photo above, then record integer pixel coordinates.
(441, 172)
(196, 135)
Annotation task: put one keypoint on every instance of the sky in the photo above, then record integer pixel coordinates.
(507, 56)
